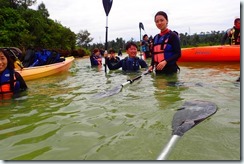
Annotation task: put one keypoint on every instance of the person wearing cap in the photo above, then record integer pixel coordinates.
(233, 34)
(11, 82)
(166, 47)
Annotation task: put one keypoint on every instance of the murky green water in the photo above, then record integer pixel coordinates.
(59, 118)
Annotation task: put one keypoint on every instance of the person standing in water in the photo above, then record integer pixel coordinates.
(111, 57)
(131, 63)
(96, 58)
(11, 82)
(233, 34)
(166, 47)
(145, 46)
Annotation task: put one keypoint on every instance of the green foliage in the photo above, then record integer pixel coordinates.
(202, 39)
(12, 28)
(80, 52)
(25, 28)
(83, 38)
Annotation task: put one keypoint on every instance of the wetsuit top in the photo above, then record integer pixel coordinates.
(128, 64)
(113, 61)
(96, 60)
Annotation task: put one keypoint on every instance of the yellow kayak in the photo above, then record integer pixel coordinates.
(36, 72)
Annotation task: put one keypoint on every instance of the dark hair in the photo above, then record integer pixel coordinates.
(10, 61)
(95, 50)
(161, 13)
(236, 20)
(10, 66)
(129, 44)
(111, 51)
(144, 36)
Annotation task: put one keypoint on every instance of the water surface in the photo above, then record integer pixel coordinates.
(60, 119)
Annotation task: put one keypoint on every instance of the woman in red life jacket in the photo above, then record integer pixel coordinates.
(11, 82)
(166, 47)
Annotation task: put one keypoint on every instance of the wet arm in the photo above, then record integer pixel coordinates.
(175, 42)
(113, 67)
(224, 38)
(143, 64)
(19, 78)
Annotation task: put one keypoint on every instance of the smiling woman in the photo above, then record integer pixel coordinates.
(11, 82)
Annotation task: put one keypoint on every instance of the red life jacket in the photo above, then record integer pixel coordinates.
(160, 43)
(6, 90)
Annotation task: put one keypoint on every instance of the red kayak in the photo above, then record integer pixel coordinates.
(224, 53)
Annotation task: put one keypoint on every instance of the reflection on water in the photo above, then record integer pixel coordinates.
(59, 118)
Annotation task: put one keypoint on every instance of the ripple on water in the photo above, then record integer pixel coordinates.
(59, 118)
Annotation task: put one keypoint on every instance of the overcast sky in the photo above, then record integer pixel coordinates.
(191, 16)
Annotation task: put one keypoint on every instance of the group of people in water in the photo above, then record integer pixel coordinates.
(164, 49)
(164, 52)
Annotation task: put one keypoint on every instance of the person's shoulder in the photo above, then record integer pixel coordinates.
(17, 74)
(174, 33)
(140, 59)
(125, 58)
(156, 36)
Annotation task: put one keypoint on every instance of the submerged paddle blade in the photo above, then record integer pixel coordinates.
(191, 114)
(109, 92)
(107, 4)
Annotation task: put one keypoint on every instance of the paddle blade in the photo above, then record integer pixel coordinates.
(109, 92)
(141, 26)
(107, 4)
(191, 113)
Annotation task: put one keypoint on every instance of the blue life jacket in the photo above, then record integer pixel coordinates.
(130, 64)
(45, 57)
(145, 46)
(162, 50)
(8, 82)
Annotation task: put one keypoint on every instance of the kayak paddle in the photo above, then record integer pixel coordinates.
(140, 27)
(191, 114)
(107, 4)
(119, 88)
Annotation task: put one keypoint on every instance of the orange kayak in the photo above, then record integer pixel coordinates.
(224, 53)
(36, 72)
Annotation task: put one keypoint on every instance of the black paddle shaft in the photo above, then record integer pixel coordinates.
(137, 77)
